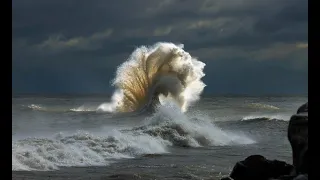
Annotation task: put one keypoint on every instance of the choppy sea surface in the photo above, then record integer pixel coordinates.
(66, 137)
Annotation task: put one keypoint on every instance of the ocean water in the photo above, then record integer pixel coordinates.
(156, 125)
(70, 137)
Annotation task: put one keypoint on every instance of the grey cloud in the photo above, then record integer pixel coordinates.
(58, 43)
(92, 39)
(239, 18)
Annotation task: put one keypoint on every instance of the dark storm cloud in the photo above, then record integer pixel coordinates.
(75, 46)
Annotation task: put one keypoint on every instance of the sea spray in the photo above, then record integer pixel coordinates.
(154, 73)
(171, 124)
(81, 149)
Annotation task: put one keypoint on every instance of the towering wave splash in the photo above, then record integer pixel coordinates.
(154, 74)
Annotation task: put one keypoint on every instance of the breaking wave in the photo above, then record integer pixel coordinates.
(263, 106)
(83, 109)
(172, 124)
(58, 109)
(154, 74)
(36, 107)
(169, 126)
(281, 117)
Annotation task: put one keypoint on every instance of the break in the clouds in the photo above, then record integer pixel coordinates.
(249, 46)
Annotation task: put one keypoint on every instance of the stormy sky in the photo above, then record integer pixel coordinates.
(249, 46)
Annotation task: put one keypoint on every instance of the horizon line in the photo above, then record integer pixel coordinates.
(203, 95)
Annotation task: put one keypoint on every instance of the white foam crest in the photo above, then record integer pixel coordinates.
(283, 117)
(36, 107)
(112, 105)
(83, 108)
(81, 149)
(170, 123)
(263, 106)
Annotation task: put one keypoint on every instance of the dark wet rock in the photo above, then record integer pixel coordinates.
(298, 138)
(303, 108)
(301, 177)
(258, 167)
